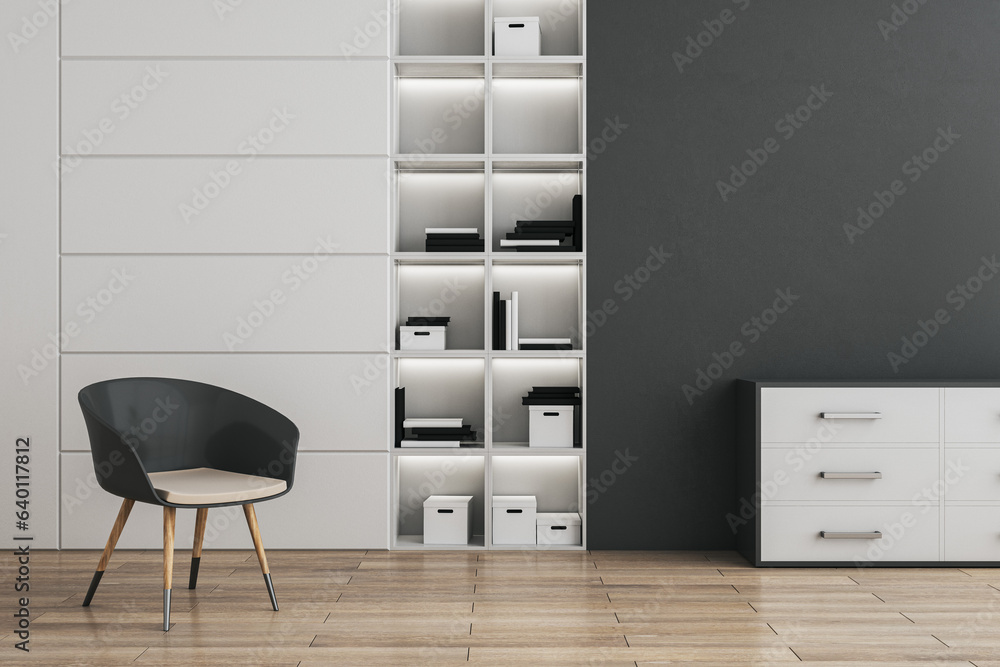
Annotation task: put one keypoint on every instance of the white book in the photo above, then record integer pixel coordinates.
(430, 444)
(544, 341)
(451, 230)
(513, 243)
(433, 422)
(510, 341)
(513, 321)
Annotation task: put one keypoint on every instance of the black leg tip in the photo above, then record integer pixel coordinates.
(93, 587)
(193, 581)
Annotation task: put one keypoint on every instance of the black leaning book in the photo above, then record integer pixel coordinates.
(578, 223)
(400, 414)
(558, 400)
(496, 320)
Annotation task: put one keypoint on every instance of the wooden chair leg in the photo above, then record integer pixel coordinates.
(199, 537)
(169, 516)
(259, 547)
(109, 548)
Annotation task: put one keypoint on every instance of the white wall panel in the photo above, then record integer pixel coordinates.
(225, 28)
(225, 205)
(178, 107)
(338, 501)
(338, 401)
(297, 303)
(28, 265)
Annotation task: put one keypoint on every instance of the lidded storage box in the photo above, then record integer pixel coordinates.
(514, 519)
(517, 36)
(448, 520)
(559, 528)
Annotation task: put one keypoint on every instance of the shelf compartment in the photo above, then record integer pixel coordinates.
(549, 300)
(439, 199)
(555, 481)
(512, 380)
(437, 163)
(444, 387)
(561, 22)
(542, 194)
(441, 116)
(537, 115)
(419, 477)
(445, 290)
(441, 28)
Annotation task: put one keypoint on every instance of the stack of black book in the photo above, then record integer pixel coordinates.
(432, 432)
(420, 321)
(453, 239)
(548, 235)
(552, 396)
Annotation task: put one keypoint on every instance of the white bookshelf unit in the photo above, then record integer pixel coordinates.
(480, 141)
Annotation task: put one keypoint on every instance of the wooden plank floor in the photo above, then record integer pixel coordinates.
(502, 608)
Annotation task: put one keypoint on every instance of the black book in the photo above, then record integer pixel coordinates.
(544, 223)
(454, 248)
(496, 320)
(541, 236)
(503, 325)
(475, 240)
(578, 222)
(555, 390)
(532, 394)
(427, 321)
(400, 414)
(425, 431)
(545, 346)
(567, 400)
(445, 237)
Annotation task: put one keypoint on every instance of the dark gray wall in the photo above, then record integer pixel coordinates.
(655, 184)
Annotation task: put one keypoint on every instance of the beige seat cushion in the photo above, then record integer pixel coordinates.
(206, 486)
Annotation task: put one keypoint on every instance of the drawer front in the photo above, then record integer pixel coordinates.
(904, 415)
(971, 473)
(971, 414)
(972, 533)
(875, 473)
(792, 533)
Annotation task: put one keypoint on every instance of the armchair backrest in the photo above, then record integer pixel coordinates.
(145, 424)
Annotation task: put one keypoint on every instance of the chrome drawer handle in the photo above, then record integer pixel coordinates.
(850, 415)
(851, 475)
(873, 535)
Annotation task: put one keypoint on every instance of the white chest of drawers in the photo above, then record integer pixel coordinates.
(868, 473)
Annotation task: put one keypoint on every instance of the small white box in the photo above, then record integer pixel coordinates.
(559, 528)
(517, 36)
(514, 519)
(550, 425)
(447, 520)
(422, 338)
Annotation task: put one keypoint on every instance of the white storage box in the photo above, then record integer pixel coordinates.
(422, 338)
(550, 425)
(448, 520)
(514, 519)
(558, 528)
(517, 36)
